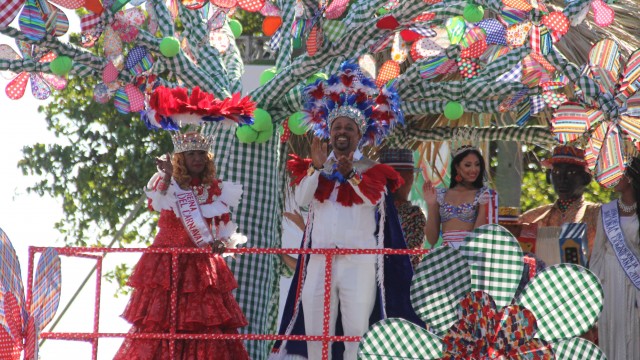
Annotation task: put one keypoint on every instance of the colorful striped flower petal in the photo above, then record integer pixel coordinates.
(399, 339)
(604, 63)
(121, 101)
(32, 21)
(46, 288)
(566, 300)
(61, 22)
(10, 273)
(610, 165)
(441, 279)
(630, 82)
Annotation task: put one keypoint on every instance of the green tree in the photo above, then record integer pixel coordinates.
(98, 168)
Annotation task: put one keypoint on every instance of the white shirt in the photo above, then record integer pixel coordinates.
(335, 225)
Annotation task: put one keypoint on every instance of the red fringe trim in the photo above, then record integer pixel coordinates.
(298, 168)
(372, 186)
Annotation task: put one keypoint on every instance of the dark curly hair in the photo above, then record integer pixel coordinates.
(182, 176)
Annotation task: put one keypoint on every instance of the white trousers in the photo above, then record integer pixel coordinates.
(353, 287)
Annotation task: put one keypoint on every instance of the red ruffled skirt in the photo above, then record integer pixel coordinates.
(205, 303)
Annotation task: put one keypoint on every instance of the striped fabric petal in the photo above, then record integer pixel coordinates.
(631, 76)
(610, 165)
(46, 288)
(604, 63)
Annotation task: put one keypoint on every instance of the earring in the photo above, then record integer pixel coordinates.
(458, 178)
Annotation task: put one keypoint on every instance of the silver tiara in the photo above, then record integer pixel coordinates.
(351, 112)
(190, 141)
(464, 148)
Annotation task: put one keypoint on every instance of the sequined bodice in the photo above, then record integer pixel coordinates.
(467, 212)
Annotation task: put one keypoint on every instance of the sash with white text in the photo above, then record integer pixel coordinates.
(626, 257)
(192, 219)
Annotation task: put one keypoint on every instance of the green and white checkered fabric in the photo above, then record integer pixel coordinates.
(575, 8)
(441, 279)
(253, 166)
(406, 137)
(577, 348)
(566, 300)
(399, 339)
(334, 29)
(495, 259)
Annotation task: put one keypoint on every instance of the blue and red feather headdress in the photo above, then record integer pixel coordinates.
(352, 94)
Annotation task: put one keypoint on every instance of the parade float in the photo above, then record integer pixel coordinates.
(511, 72)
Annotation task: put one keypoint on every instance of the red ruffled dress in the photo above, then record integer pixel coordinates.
(205, 303)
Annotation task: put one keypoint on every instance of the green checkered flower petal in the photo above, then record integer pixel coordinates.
(495, 258)
(441, 280)
(399, 339)
(577, 349)
(566, 300)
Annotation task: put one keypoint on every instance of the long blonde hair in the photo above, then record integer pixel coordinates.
(182, 176)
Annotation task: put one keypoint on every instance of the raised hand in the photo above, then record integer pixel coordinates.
(429, 193)
(164, 164)
(345, 164)
(318, 152)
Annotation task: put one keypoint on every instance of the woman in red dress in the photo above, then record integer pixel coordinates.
(205, 304)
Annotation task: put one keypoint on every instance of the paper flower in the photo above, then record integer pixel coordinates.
(21, 326)
(41, 83)
(608, 111)
(466, 298)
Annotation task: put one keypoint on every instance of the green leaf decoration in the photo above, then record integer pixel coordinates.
(399, 339)
(440, 281)
(566, 300)
(495, 259)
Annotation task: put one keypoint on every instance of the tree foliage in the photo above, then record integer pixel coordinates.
(98, 168)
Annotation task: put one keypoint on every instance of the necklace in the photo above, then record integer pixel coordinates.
(564, 205)
(627, 208)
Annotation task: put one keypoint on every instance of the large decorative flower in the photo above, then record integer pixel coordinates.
(609, 111)
(21, 326)
(466, 298)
